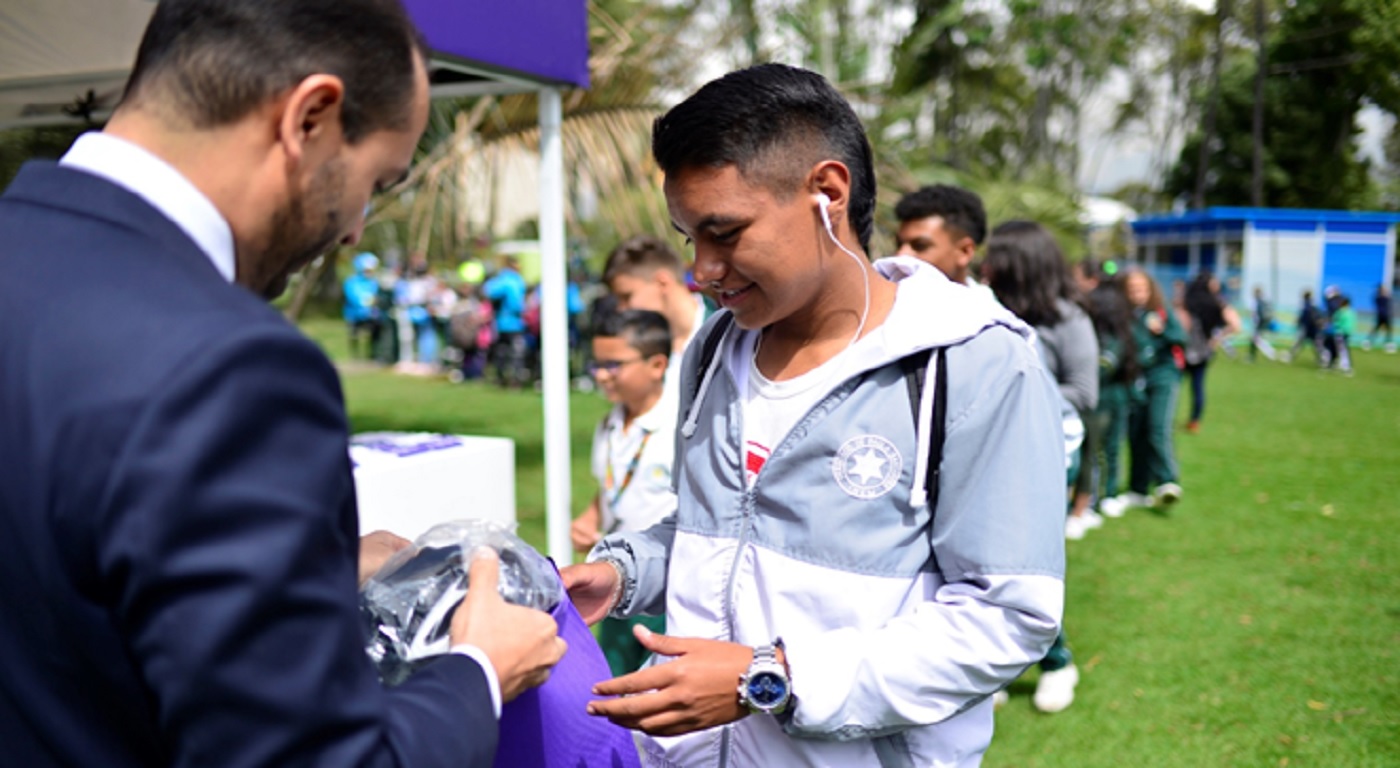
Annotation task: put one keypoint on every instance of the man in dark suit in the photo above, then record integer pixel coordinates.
(177, 500)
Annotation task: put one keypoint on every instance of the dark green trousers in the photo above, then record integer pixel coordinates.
(1112, 424)
(1153, 460)
(1058, 657)
(620, 646)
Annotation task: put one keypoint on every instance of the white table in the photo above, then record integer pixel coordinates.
(407, 482)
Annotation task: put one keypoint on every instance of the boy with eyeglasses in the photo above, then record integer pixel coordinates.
(633, 450)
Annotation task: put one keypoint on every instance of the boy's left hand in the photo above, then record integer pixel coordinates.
(697, 689)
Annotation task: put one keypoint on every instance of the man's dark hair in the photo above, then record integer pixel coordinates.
(959, 208)
(773, 123)
(641, 256)
(215, 61)
(1026, 270)
(643, 330)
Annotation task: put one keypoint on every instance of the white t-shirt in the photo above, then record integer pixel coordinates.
(772, 408)
(633, 467)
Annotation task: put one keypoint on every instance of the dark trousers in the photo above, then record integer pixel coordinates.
(1112, 416)
(1153, 461)
(508, 356)
(1058, 657)
(620, 646)
(1197, 374)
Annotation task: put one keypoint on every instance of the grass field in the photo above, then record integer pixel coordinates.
(1256, 625)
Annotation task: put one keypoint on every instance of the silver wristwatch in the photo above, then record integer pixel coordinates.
(765, 688)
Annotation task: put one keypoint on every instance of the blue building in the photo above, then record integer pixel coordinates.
(1282, 250)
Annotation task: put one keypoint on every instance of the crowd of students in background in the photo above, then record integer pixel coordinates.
(467, 325)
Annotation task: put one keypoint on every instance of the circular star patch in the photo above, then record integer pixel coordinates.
(867, 467)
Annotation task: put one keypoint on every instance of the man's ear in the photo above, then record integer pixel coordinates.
(967, 251)
(833, 179)
(663, 278)
(310, 121)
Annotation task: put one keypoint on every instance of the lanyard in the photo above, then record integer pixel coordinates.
(609, 478)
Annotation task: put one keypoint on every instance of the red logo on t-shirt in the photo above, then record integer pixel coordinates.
(754, 459)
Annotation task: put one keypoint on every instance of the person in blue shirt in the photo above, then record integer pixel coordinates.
(361, 311)
(507, 291)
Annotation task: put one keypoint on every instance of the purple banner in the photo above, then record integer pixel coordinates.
(545, 40)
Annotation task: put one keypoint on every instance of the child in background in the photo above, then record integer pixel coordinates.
(1343, 326)
(633, 450)
(1118, 376)
(1159, 338)
(1310, 322)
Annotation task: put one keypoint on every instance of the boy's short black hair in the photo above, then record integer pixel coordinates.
(960, 209)
(773, 123)
(643, 330)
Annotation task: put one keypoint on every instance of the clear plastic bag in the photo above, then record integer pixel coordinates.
(407, 606)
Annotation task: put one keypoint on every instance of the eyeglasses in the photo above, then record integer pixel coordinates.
(611, 366)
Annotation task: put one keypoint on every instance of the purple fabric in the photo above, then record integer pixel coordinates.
(545, 40)
(548, 727)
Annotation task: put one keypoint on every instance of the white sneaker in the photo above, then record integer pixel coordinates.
(1113, 506)
(1000, 698)
(1165, 495)
(1074, 527)
(1091, 520)
(1055, 690)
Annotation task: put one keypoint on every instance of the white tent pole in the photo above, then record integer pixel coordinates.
(554, 329)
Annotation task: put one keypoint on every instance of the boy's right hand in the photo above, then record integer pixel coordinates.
(591, 586)
(522, 643)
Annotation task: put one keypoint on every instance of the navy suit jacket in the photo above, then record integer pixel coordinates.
(178, 512)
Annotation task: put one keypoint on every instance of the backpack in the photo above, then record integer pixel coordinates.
(914, 366)
(1198, 350)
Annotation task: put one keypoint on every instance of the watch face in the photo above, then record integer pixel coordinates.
(767, 689)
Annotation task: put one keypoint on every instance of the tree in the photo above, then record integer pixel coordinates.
(1326, 60)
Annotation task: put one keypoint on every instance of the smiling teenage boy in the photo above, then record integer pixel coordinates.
(633, 450)
(808, 564)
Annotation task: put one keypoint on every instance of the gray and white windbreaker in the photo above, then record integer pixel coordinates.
(899, 621)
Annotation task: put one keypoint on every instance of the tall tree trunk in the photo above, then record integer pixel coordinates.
(1217, 63)
(1261, 71)
(311, 279)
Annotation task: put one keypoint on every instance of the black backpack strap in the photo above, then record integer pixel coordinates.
(914, 367)
(708, 349)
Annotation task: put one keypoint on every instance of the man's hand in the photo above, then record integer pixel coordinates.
(584, 532)
(697, 689)
(522, 643)
(591, 586)
(375, 551)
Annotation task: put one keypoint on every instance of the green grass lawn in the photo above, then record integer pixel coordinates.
(1256, 625)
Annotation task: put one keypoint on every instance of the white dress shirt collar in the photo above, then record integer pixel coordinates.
(158, 183)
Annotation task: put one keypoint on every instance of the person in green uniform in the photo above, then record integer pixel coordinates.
(1160, 339)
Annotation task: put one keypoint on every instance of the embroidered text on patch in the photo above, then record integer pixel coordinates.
(867, 467)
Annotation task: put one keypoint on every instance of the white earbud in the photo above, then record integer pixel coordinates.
(822, 202)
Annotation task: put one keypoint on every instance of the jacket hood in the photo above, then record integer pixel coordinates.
(931, 311)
